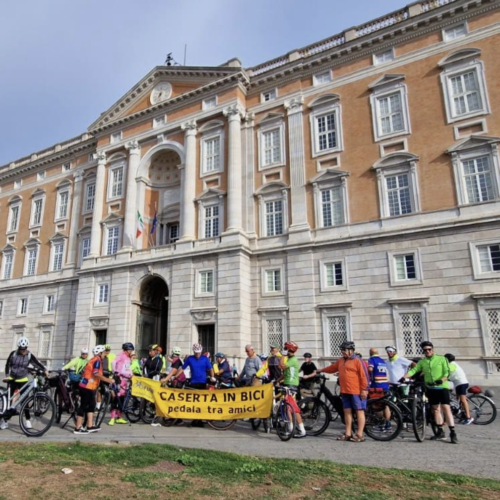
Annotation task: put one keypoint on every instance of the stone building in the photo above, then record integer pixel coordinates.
(348, 189)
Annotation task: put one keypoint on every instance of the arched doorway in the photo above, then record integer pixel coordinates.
(152, 315)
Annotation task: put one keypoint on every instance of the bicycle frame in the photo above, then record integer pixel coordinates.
(22, 395)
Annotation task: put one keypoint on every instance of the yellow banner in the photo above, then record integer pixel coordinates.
(220, 404)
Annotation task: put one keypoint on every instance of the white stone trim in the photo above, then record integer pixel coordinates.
(399, 140)
(40, 196)
(476, 265)
(98, 291)
(267, 126)
(206, 104)
(483, 305)
(321, 110)
(208, 135)
(391, 261)
(210, 199)
(324, 287)
(328, 179)
(263, 276)
(20, 303)
(446, 29)
(272, 193)
(198, 293)
(31, 245)
(385, 51)
(116, 137)
(480, 121)
(17, 203)
(57, 241)
(334, 311)
(9, 250)
(407, 308)
(273, 92)
(277, 313)
(46, 310)
(120, 164)
(319, 76)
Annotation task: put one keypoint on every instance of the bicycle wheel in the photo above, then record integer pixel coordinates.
(315, 415)
(132, 409)
(37, 414)
(221, 425)
(418, 418)
(285, 421)
(147, 411)
(103, 409)
(482, 409)
(255, 422)
(377, 426)
(59, 401)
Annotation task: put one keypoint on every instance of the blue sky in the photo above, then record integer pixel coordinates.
(64, 62)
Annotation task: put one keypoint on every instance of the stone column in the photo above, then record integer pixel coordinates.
(234, 193)
(100, 189)
(75, 216)
(299, 222)
(249, 169)
(129, 231)
(188, 184)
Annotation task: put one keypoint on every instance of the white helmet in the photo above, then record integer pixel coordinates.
(23, 343)
(84, 351)
(98, 349)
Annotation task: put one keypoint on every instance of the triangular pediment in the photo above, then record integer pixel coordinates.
(473, 142)
(388, 79)
(173, 83)
(58, 236)
(9, 248)
(395, 159)
(329, 174)
(210, 193)
(271, 187)
(111, 218)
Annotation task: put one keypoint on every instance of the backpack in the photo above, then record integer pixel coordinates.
(275, 370)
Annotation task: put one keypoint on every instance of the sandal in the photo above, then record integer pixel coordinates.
(356, 439)
(344, 438)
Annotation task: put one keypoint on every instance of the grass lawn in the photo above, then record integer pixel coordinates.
(33, 471)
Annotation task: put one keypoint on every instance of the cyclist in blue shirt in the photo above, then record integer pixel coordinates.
(199, 366)
(379, 382)
(225, 371)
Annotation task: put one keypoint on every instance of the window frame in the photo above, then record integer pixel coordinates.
(210, 199)
(116, 137)
(375, 61)
(444, 31)
(84, 237)
(486, 302)
(475, 259)
(264, 289)
(157, 124)
(37, 198)
(50, 330)
(97, 296)
(273, 315)
(330, 178)
(108, 228)
(47, 302)
(20, 306)
(89, 184)
(1, 307)
(334, 311)
(210, 135)
(209, 103)
(12, 206)
(320, 111)
(324, 287)
(199, 293)
(60, 192)
(268, 125)
(29, 248)
(393, 275)
(272, 192)
(318, 76)
(54, 244)
(115, 167)
(272, 92)
(11, 252)
(409, 307)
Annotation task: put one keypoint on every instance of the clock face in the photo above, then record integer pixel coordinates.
(161, 92)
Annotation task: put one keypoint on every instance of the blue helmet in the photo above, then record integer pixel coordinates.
(128, 346)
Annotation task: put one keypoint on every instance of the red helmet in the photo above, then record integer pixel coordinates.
(291, 346)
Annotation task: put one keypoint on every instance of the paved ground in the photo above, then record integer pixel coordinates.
(477, 453)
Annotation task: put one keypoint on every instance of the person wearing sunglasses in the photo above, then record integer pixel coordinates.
(436, 371)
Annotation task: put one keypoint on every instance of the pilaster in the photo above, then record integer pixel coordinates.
(100, 189)
(188, 184)
(75, 216)
(129, 230)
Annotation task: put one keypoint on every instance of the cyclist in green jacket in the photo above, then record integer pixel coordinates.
(436, 371)
(78, 363)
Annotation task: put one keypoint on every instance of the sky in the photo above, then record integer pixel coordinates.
(64, 62)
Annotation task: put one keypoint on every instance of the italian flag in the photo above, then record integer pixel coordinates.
(140, 225)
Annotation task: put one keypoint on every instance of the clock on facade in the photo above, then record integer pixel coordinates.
(161, 92)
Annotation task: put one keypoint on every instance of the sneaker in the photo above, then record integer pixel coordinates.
(81, 430)
(300, 434)
(290, 427)
(453, 437)
(467, 421)
(387, 426)
(379, 428)
(93, 429)
(155, 423)
(111, 422)
(28, 425)
(439, 436)
(3, 425)
(121, 421)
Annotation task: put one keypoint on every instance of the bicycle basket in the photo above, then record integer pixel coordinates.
(475, 389)
(53, 381)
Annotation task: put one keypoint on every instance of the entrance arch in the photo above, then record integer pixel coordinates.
(152, 314)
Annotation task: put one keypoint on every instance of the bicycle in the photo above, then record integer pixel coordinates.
(283, 415)
(65, 398)
(128, 406)
(36, 409)
(482, 408)
(315, 413)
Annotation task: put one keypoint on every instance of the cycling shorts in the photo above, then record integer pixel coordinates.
(461, 390)
(438, 396)
(353, 402)
(87, 401)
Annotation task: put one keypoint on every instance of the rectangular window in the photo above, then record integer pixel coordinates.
(269, 96)
(66, 167)
(405, 267)
(22, 308)
(326, 132)
(465, 93)
(44, 351)
(112, 241)
(116, 137)
(332, 207)
(489, 258)
(212, 221)
(210, 103)
(274, 218)
(37, 212)
(103, 294)
(337, 333)
(271, 152)
(273, 280)
(478, 180)
(18, 184)
(14, 218)
(206, 282)
(49, 303)
(390, 114)
(7, 265)
(159, 121)
(398, 194)
(89, 197)
(62, 205)
(57, 258)
(321, 78)
(31, 266)
(85, 247)
(411, 331)
(40, 176)
(454, 32)
(212, 154)
(493, 330)
(117, 182)
(274, 332)
(334, 275)
(173, 233)
(383, 57)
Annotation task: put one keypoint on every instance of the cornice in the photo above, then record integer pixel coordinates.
(106, 123)
(367, 45)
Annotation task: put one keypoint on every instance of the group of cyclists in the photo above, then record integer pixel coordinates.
(359, 380)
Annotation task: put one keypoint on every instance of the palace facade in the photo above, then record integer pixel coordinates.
(349, 189)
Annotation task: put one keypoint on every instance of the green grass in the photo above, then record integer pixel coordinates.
(208, 471)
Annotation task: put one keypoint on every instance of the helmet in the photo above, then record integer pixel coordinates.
(274, 346)
(84, 351)
(98, 349)
(291, 346)
(23, 343)
(449, 357)
(177, 351)
(347, 345)
(128, 346)
(426, 343)
(220, 355)
(107, 347)
(391, 348)
(308, 355)
(197, 348)
(153, 347)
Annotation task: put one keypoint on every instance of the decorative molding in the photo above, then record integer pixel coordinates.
(133, 145)
(99, 321)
